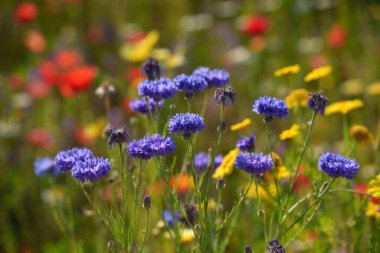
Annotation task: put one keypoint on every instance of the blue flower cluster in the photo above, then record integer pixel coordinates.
(65, 160)
(44, 166)
(214, 77)
(140, 105)
(317, 103)
(254, 164)
(157, 89)
(201, 161)
(190, 84)
(186, 124)
(91, 169)
(271, 107)
(151, 146)
(336, 165)
(246, 143)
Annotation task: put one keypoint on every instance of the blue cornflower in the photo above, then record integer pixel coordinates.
(151, 146)
(157, 89)
(186, 124)
(246, 143)
(336, 165)
(151, 68)
(271, 107)
(45, 165)
(169, 218)
(65, 160)
(91, 169)
(140, 105)
(214, 77)
(190, 84)
(317, 103)
(117, 135)
(254, 164)
(201, 161)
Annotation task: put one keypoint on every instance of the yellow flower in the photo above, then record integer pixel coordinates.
(374, 89)
(361, 134)
(241, 125)
(276, 159)
(344, 107)
(352, 87)
(290, 133)
(318, 73)
(283, 173)
(187, 235)
(142, 50)
(262, 193)
(171, 60)
(374, 187)
(373, 210)
(288, 70)
(296, 98)
(227, 165)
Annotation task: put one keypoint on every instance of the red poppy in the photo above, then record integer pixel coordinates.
(38, 89)
(256, 25)
(40, 138)
(67, 59)
(25, 12)
(80, 78)
(375, 200)
(301, 182)
(48, 72)
(360, 188)
(336, 37)
(35, 41)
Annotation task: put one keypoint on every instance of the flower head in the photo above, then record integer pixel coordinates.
(374, 187)
(168, 217)
(288, 70)
(225, 96)
(214, 77)
(246, 143)
(317, 103)
(374, 89)
(344, 107)
(157, 89)
(65, 160)
(227, 165)
(336, 165)
(290, 133)
(117, 135)
(201, 161)
(361, 134)
(275, 246)
(186, 124)
(190, 84)
(91, 169)
(271, 107)
(318, 73)
(241, 125)
(45, 165)
(140, 105)
(191, 214)
(151, 68)
(297, 98)
(254, 164)
(256, 25)
(151, 146)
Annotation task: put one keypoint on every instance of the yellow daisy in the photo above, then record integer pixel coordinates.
(142, 50)
(297, 98)
(288, 70)
(227, 165)
(290, 133)
(344, 107)
(374, 187)
(318, 73)
(241, 125)
(374, 89)
(373, 210)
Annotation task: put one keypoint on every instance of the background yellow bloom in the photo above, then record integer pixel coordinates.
(318, 73)
(288, 70)
(227, 165)
(343, 107)
(241, 125)
(290, 133)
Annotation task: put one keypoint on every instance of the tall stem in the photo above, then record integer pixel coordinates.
(145, 230)
(122, 192)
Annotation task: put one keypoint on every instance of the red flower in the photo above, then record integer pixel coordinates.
(135, 37)
(40, 138)
(336, 37)
(38, 89)
(16, 80)
(78, 79)
(67, 59)
(126, 106)
(48, 72)
(360, 188)
(301, 182)
(256, 25)
(35, 41)
(375, 200)
(25, 12)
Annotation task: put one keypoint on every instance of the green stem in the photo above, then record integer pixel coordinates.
(145, 230)
(123, 201)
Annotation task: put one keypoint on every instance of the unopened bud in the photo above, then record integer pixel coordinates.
(260, 212)
(323, 186)
(147, 202)
(220, 184)
(247, 249)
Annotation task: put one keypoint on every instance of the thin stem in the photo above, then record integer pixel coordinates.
(157, 111)
(145, 230)
(123, 201)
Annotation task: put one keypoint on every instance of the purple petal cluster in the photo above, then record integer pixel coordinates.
(201, 161)
(91, 169)
(317, 103)
(44, 166)
(254, 164)
(190, 84)
(186, 124)
(271, 107)
(336, 165)
(157, 89)
(65, 160)
(151, 146)
(214, 77)
(117, 135)
(151, 69)
(246, 143)
(140, 105)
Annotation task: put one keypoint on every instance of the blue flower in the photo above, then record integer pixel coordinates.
(65, 160)
(201, 161)
(91, 169)
(190, 84)
(45, 165)
(336, 165)
(254, 164)
(186, 124)
(157, 89)
(140, 105)
(317, 103)
(151, 146)
(117, 135)
(169, 218)
(151, 68)
(271, 107)
(214, 77)
(246, 143)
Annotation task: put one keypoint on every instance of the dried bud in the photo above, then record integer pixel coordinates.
(317, 103)
(260, 213)
(225, 96)
(323, 186)
(247, 249)
(147, 202)
(191, 214)
(220, 184)
(117, 135)
(111, 245)
(151, 68)
(275, 247)
(104, 89)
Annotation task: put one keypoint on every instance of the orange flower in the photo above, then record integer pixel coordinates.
(35, 41)
(182, 183)
(25, 12)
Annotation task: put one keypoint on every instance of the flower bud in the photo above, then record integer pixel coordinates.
(247, 249)
(147, 202)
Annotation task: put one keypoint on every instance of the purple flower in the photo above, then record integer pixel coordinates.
(190, 84)
(151, 68)
(168, 217)
(140, 105)
(214, 77)
(202, 159)
(246, 143)
(117, 135)
(336, 165)
(218, 160)
(151, 146)
(271, 107)
(254, 164)
(317, 103)
(157, 89)
(91, 169)
(65, 160)
(186, 124)
(44, 166)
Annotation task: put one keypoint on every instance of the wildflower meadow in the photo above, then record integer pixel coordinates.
(200, 126)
